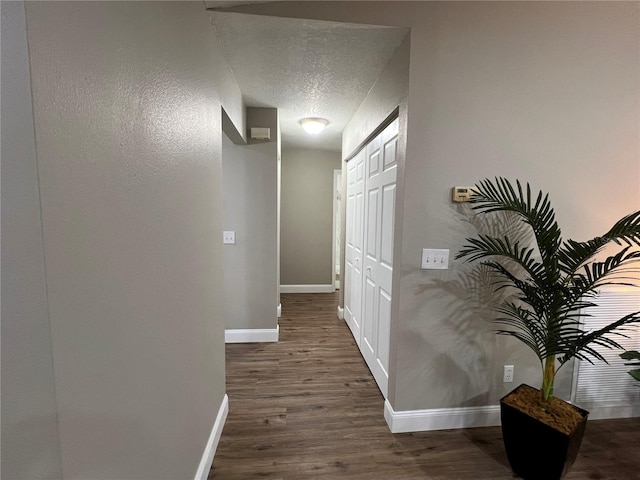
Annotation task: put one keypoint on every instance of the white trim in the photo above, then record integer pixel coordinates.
(340, 313)
(252, 335)
(606, 413)
(336, 214)
(306, 289)
(279, 310)
(440, 418)
(212, 444)
(574, 380)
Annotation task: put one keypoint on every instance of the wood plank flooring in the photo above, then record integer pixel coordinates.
(307, 407)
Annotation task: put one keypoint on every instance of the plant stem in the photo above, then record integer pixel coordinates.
(548, 379)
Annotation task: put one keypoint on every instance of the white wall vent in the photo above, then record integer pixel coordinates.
(260, 133)
(608, 391)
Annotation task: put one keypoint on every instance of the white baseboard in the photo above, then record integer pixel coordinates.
(279, 310)
(252, 335)
(605, 413)
(307, 289)
(470, 417)
(440, 418)
(212, 444)
(340, 313)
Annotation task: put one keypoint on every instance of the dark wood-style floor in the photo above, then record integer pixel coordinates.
(307, 407)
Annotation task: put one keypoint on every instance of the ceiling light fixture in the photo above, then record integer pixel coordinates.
(314, 126)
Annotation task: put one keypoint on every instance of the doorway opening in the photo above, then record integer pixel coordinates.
(337, 230)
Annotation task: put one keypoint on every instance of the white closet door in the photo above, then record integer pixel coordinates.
(380, 197)
(353, 248)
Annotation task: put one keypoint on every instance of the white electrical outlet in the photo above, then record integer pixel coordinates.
(229, 238)
(507, 376)
(434, 259)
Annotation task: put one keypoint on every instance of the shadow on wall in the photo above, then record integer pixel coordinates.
(460, 339)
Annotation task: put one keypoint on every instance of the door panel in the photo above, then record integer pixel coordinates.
(372, 220)
(374, 159)
(368, 330)
(384, 330)
(348, 260)
(387, 225)
(379, 229)
(353, 245)
(369, 319)
(371, 203)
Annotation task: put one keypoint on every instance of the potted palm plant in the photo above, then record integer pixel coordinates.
(551, 282)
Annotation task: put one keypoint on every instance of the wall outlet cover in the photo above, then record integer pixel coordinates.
(229, 237)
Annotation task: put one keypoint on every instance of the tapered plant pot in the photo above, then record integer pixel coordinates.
(535, 450)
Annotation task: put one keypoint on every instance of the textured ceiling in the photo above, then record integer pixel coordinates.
(305, 68)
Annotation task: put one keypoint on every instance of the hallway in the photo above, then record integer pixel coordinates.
(307, 407)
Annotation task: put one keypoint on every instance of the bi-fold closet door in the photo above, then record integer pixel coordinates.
(371, 197)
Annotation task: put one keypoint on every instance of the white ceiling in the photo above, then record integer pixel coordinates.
(305, 68)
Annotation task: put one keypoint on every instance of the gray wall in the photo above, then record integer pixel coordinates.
(389, 91)
(541, 91)
(307, 216)
(30, 447)
(127, 103)
(250, 209)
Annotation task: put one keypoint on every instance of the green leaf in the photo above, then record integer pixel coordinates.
(630, 355)
(634, 356)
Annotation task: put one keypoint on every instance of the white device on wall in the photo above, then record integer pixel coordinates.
(461, 194)
(260, 133)
(229, 237)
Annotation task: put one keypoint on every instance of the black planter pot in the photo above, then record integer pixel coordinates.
(535, 450)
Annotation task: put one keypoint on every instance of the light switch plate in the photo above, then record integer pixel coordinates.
(229, 238)
(435, 259)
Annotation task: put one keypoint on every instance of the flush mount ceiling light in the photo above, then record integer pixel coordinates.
(314, 126)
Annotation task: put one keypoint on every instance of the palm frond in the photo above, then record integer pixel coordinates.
(581, 343)
(523, 325)
(500, 195)
(572, 254)
(596, 275)
(486, 246)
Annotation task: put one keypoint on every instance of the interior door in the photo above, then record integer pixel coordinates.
(380, 197)
(353, 248)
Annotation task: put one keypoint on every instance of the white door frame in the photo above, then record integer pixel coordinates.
(336, 237)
